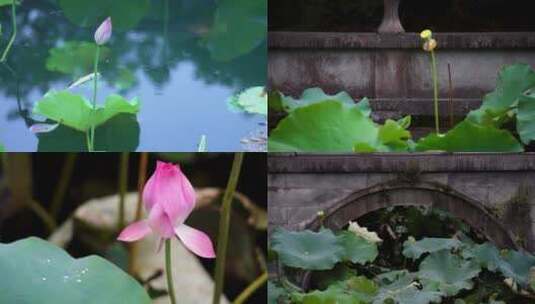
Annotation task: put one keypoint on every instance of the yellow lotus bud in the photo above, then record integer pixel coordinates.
(430, 45)
(426, 34)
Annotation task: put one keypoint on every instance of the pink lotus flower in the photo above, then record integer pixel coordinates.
(169, 199)
(103, 33)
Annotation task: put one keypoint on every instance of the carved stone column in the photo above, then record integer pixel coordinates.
(391, 22)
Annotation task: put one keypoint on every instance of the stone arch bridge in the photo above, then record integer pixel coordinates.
(494, 193)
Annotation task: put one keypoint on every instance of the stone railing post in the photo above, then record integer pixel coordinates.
(391, 22)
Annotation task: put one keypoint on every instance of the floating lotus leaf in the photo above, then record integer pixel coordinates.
(120, 133)
(415, 249)
(513, 81)
(357, 249)
(341, 272)
(315, 95)
(125, 14)
(274, 293)
(516, 265)
(470, 137)
(448, 272)
(239, 27)
(404, 290)
(329, 126)
(252, 100)
(307, 249)
(75, 58)
(76, 112)
(487, 255)
(40, 272)
(357, 290)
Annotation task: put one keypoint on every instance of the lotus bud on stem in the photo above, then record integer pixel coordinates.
(102, 36)
(430, 45)
(169, 199)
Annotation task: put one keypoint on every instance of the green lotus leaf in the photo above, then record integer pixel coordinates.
(415, 249)
(341, 272)
(307, 249)
(239, 27)
(75, 111)
(513, 81)
(125, 14)
(356, 290)
(75, 58)
(252, 100)
(405, 122)
(405, 290)
(329, 126)
(470, 137)
(393, 137)
(448, 272)
(516, 265)
(315, 95)
(275, 293)
(120, 133)
(40, 272)
(487, 255)
(8, 2)
(525, 118)
(357, 249)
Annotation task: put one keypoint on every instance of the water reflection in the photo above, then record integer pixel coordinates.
(182, 59)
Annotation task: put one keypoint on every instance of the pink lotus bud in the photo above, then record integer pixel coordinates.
(169, 198)
(103, 33)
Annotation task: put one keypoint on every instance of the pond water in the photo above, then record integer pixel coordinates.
(182, 60)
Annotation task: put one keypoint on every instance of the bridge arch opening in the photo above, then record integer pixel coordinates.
(431, 195)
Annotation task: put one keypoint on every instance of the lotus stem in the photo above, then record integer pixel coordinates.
(224, 224)
(168, 271)
(247, 292)
(201, 147)
(41, 212)
(435, 90)
(95, 88)
(142, 177)
(64, 180)
(123, 183)
(14, 34)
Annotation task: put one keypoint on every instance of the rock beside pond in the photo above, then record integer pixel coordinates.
(95, 222)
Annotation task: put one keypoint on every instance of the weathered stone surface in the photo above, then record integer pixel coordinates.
(392, 70)
(491, 192)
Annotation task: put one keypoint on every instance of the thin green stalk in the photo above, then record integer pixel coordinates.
(95, 82)
(64, 180)
(14, 34)
(41, 212)
(224, 223)
(247, 292)
(123, 183)
(142, 176)
(202, 144)
(168, 271)
(435, 90)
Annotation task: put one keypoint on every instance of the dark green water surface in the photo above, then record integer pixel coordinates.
(182, 59)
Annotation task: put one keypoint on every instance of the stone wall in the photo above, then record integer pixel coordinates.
(494, 193)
